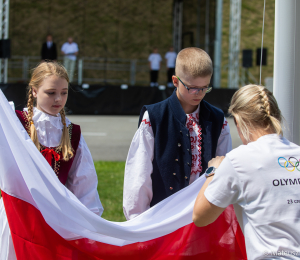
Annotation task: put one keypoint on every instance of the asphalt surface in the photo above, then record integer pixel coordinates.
(109, 137)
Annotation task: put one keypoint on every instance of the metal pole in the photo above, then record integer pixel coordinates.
(132, 72)
(207, 26)
(198, 23)
(218, 45)
(287, 65)
(6, 37)
(180, 26)
(234, 43)
(177, 25)
(80, 67)
(4, 22)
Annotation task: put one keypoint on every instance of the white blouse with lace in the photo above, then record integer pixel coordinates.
(82, 178)
(137, 193)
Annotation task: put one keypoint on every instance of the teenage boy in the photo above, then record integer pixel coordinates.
(176, 137)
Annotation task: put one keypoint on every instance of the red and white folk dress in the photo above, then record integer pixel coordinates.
(78, 174)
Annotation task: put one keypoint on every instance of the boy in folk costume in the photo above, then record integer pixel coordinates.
(176, 137)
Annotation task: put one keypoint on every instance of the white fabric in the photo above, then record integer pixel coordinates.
(82, 179)
(137, 192)
(25, 174)
(251, 178)
(70, 48)
(12, 105)
(171, 58)
(155, 60)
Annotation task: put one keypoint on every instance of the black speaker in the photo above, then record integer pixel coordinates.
(264, 57)
(247, 58)
(5, 48)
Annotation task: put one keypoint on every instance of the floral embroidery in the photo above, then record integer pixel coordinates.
(225, 124)
(194, 128)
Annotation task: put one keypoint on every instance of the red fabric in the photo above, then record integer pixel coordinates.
(48, 153)
(64, 166)
(33, 238)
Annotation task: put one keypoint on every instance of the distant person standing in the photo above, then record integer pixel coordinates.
(154, 62)
(70, 51)
(49, 51)
(170, 60)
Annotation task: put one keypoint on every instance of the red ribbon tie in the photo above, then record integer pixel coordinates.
(48, 153)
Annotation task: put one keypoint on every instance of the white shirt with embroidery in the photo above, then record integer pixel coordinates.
(137, 192)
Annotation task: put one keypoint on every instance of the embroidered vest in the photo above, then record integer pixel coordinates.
(60, 167)
(172, 146)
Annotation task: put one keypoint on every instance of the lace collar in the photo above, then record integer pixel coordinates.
(39, 116)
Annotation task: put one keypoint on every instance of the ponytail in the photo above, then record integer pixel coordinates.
(254, 107)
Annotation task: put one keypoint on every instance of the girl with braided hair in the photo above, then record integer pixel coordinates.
(260, 178)
(59, 141)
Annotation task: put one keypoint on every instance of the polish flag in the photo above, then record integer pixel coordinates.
(48, 222)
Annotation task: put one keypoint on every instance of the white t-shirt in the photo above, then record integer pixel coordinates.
(70, 48)
(171, 58)
(265, 192)
(155, 60)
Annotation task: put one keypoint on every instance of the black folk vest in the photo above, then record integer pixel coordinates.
(172, 147)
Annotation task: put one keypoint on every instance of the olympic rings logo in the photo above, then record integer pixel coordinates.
(290, 165)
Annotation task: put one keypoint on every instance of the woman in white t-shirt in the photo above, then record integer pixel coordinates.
(260, 178)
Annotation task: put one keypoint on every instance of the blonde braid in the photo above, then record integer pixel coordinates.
(67, 150)
(33, 133)
(265, 100)
(254, 107)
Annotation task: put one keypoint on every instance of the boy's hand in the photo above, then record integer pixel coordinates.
(215, 162)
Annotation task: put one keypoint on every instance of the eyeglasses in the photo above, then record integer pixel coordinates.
(195, 91)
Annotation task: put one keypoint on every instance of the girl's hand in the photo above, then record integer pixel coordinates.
(215, 162)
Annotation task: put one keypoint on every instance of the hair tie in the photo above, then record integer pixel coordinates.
(64, 124)
(31, 122)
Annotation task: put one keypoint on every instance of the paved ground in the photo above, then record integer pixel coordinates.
(109, 137)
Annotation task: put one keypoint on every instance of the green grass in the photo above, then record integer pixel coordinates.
(110, 188)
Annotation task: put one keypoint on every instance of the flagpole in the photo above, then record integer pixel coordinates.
(287, 65)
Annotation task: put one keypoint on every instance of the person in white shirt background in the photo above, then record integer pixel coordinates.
(70, 51)
(154, 63)
(170, 62)
(260, 178)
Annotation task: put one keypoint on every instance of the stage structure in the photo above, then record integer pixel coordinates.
(234, 43)
(201, 27)
(218, 45)
(4, 26)
(287, 65)
(177, 24)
